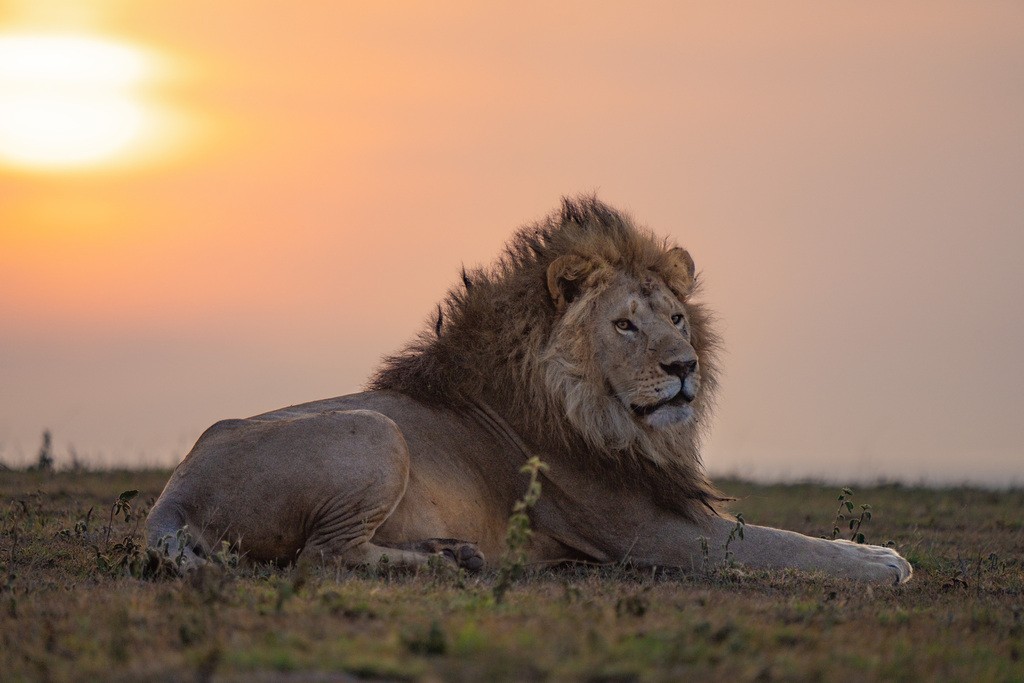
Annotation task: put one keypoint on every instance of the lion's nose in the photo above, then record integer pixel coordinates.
(689, 380)
(681, 369)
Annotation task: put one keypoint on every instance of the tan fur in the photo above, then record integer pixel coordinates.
(584, 345)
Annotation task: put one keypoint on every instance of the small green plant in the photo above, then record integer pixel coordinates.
(226, 556)
(128, 556)
(81, 528)
(123, 505)
(735, 533)
(519, 532)
(845, 512)
(705, 554)
(182, 539)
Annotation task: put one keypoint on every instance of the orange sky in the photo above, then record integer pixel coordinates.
(848, 176)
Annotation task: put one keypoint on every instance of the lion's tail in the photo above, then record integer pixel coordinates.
(168, 532)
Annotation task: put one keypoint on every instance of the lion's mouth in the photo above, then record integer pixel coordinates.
(679, 399)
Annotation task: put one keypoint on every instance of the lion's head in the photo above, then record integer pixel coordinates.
(621, 345)
(585, 338)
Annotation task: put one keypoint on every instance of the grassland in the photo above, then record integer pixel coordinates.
(66, 614)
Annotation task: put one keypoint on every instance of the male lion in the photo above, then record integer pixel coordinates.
(581, 345)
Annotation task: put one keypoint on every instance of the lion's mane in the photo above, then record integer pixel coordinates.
(491, 342)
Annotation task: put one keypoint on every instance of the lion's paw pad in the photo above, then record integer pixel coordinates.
(470, 557)
(465, 555)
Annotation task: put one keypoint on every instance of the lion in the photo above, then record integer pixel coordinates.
(584, 345)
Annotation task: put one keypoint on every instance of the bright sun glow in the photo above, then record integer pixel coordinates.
(70, 101)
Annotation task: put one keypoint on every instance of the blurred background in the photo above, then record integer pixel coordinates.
(210, 210)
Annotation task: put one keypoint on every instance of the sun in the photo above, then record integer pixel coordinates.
(70, 101)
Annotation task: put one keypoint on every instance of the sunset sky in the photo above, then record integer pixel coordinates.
(213, 209)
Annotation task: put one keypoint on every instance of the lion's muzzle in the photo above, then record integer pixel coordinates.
(689, 378)
(684, 376)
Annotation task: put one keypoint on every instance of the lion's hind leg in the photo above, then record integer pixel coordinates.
(363, 476)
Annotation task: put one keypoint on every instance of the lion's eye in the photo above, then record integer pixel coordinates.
(625, 325)
(677, 318)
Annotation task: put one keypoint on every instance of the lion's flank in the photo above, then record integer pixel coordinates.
(486, 344)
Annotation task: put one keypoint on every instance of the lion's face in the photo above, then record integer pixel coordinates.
(620, 356)
(641, 344)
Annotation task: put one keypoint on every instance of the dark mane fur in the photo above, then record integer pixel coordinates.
(489, 333)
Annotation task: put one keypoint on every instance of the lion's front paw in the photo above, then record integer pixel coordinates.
(467, 556)
(463, 554)
(873, 563)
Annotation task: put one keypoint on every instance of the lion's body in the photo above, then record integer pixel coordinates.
(582, 346)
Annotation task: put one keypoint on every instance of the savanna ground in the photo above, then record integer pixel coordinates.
(69, 610)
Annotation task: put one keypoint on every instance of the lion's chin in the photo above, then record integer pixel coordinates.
(668, 415)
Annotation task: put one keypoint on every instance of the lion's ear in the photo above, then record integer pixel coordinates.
(678, 270)
(565, 278)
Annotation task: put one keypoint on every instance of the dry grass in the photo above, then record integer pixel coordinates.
(962, 618)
